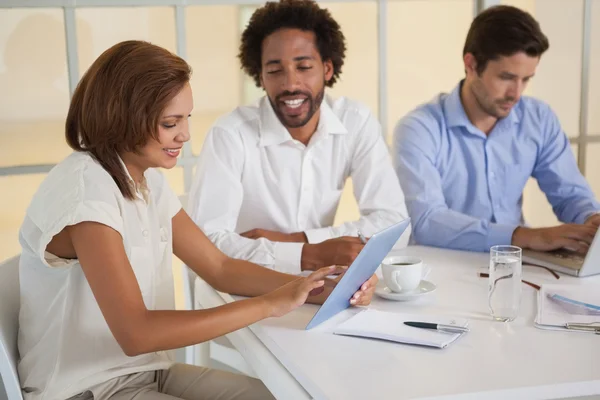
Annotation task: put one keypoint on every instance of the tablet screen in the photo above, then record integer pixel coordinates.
(364, 265)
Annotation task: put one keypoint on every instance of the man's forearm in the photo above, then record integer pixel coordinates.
(447, 228)
(520, 237)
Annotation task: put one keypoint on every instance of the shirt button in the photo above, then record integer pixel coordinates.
(145, 233)
(492, 175)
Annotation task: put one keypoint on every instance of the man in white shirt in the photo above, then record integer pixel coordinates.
(270, 176)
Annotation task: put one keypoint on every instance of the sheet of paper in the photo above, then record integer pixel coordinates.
(390, 326)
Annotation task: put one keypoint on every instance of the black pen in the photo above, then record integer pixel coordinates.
(439, 327)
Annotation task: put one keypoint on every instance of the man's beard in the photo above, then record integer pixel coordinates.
(490, 108)
(313, 105)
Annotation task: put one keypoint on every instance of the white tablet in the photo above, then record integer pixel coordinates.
(364, 265)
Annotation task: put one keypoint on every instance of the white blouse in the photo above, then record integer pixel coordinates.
(64, 341)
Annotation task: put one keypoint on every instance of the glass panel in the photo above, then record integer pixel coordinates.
(213, 41)
(594, 86)
(152, 24)
(536, 208)
(561, 21)
(592, 167)
(17, 192)
(33, 86)
(527, 5)
(359, 78)
(250, 92)
(424, 57)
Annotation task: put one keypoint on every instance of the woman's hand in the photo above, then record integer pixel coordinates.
(365, 293)
(292, 295)
(295, 293)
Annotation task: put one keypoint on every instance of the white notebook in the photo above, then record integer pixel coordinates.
(390, 326)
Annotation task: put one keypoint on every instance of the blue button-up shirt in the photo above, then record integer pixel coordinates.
(464, 189)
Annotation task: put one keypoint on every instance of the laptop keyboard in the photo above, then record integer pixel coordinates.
(568, 255)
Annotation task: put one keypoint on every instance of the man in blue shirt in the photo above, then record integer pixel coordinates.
(464, 158)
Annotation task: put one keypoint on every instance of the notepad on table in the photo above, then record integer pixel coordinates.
(390, 326)
(559, 305)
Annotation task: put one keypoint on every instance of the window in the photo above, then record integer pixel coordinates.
(422, 53)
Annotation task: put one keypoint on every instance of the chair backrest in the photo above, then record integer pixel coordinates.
(9, 326)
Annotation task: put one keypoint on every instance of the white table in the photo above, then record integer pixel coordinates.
(493, 361)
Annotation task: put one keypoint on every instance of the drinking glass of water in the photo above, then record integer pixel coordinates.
(504, 293)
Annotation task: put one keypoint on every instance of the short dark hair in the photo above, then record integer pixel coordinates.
(504, 31)
(119, 101)
(305, 15)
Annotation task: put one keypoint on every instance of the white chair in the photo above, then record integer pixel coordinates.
(9, 327)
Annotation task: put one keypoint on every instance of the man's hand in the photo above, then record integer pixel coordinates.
(575, 237)
(298, 237)
(338, 251)
(594, 221)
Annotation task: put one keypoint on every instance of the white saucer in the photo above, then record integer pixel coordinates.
(424, 288)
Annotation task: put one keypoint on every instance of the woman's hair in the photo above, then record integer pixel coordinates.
(504, 31)
(118, 103)
(305, 15)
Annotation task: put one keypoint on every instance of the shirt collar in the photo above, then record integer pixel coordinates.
(456, 116)
(273, 132)
(140, 190)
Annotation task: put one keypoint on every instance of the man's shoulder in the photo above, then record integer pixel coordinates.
(428, 116)
(534, 108)
(238, 119)
(343, 104)
(349, 111)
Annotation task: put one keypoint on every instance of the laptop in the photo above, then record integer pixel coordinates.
(364, 265)
(566, 261)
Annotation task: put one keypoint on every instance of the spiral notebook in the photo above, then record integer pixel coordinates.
(390, 326)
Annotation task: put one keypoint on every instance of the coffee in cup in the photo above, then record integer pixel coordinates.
(402, 273)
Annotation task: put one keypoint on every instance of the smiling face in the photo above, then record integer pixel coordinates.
(294, 76)
(500, 85)
(173, 132)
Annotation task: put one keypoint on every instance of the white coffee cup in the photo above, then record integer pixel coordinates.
(402, 273)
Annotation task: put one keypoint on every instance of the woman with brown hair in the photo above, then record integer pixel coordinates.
(97, 304)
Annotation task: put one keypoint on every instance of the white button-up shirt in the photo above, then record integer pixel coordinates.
(252, 174)
(64, 341)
